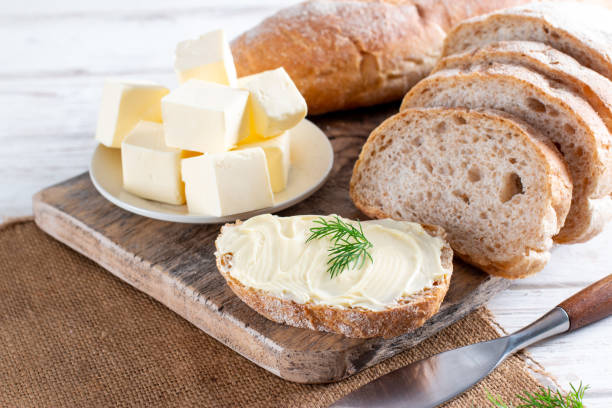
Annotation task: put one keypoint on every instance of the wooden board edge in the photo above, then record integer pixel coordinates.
(291, 365)
(62, 227)
(388, 348)
(73, 233)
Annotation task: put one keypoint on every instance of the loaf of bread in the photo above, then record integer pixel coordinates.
(499, 189)
(539, 57)
(389, 320)
(561, 115)
(581, 30)
(345, 54)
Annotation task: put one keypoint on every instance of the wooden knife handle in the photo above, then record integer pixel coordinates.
(591, 304)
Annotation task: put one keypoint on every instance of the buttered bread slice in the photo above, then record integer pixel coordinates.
(270, 263)
(498, 188)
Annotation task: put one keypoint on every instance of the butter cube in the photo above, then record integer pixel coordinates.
(204, 117)
(278, 157)
(227, 183)
(151, 169)
(124, 104)
(275, 103)
(207, 58)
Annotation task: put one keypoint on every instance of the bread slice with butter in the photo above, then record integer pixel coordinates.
(499, 189)
(269, 264)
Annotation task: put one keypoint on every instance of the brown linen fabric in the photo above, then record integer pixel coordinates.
(73, 335)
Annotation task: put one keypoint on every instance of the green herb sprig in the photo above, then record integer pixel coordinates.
(546, 398)
(349, 245)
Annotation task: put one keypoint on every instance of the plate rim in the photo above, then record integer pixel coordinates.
(202, 219)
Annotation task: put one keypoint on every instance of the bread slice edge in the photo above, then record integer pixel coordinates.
(545, 60)
(560, 184)
(594, 209)
(559, 24)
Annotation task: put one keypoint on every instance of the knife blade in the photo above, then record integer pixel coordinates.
(430, 382)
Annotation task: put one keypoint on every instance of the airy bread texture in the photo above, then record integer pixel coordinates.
(409, 313)
(561, 115)
(499, 189)
(580, 30)
(588, 84)
(345, 54)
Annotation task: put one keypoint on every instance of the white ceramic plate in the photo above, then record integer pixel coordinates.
(312, 158)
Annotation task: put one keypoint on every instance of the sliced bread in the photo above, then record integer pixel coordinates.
(561, 115)
(550, 62)
(287, 303)
(580, 30)
(499, 189)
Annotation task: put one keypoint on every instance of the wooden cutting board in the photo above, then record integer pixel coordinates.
(174, 264)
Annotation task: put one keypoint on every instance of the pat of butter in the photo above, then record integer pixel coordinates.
(227, 183)
(124, 104)
(151, 169)
(207, 58)
(275, 103)
(270, 253)
(204, 117)
(278, 157)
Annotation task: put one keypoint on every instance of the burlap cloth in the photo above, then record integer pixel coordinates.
(71, 334)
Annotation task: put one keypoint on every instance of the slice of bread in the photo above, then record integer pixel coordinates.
(561, 115)
(499, 189)
(588, 84)
(580, 30)
(406, 314)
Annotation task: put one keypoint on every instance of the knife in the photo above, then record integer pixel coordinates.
(435, 380)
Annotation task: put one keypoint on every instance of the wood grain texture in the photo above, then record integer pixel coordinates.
(174, 263)
(56, 57)
(591, 304)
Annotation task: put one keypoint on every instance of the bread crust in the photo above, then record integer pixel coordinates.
(560, 24)
(345, 54)
(409, 314)
(595, 88)
(595, 207)
(559, 192)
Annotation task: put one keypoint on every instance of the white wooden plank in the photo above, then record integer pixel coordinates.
(583, 355)
(124, 42)
(29, 9)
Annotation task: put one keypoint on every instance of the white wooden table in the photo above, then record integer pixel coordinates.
(55, 55)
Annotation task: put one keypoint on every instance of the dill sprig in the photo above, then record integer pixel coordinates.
(545, 398)
(349, 244)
